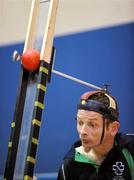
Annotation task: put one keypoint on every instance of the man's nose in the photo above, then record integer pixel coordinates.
(84, 129)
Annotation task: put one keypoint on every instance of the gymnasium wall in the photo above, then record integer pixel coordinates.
(94, 42)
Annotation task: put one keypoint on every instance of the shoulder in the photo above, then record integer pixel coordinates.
(68, 162)
(126, 141)
(131, 144)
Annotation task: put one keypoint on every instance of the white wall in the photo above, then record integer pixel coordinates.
(73, 16)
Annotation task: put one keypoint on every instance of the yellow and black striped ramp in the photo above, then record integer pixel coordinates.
(36, 120)
(37, 81)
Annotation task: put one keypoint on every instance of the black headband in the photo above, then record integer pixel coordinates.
(93, 105)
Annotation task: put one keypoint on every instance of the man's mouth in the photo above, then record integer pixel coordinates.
(85, 141)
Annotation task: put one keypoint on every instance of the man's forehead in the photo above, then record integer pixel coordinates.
(87, 114)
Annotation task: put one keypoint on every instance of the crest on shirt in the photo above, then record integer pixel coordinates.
(118, 168)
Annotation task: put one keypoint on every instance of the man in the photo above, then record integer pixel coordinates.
(102, 153)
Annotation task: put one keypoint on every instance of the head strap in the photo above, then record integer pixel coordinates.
(93, 105)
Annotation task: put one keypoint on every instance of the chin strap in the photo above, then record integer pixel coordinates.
(103, 131)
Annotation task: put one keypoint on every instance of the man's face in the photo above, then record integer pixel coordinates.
(90, 127)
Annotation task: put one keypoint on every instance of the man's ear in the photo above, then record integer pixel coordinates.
(114, 128)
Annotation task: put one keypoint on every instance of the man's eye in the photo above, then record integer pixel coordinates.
(92, 125)
(80, 123)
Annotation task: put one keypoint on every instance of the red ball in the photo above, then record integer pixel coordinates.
(31, 59)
